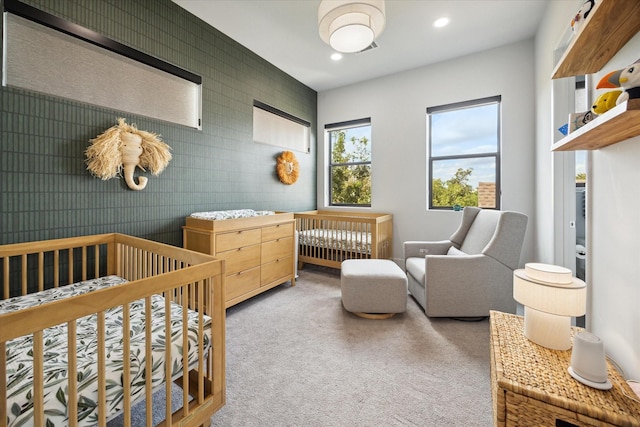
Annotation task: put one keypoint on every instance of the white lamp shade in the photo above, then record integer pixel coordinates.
(562, 300)
(553, 274)
(350, 26)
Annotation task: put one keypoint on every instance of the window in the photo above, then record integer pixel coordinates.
(275, 127)
(350, 163)
(464, 154)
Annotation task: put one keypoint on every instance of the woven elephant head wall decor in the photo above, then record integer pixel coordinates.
(119, 149)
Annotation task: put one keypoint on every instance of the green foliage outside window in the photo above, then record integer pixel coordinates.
(454, 191)
(350, 169)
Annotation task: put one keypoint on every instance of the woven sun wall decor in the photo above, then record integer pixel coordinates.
(287, 168)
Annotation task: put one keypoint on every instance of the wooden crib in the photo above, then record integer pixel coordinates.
(79, 305)
(327, 238)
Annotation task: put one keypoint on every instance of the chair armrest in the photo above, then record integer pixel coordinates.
(467, 285)
(422, 249)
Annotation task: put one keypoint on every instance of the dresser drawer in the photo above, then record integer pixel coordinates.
(241, 259)
(237, 239)
(240, 283)
(275, 249)
(274, 270)
(277, 231)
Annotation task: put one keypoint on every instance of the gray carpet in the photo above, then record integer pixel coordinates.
(295, 357)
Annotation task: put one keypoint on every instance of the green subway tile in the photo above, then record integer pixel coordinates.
(47, 191)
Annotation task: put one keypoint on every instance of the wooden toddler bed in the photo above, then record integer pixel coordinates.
(73, 307)
(327, 238)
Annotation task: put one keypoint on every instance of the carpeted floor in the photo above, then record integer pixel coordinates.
(295, 357)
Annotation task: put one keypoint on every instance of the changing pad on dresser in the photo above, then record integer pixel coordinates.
(230, 214)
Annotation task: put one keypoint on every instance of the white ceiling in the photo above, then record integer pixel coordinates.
(285, 33)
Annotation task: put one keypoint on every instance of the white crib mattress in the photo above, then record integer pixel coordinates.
(19, 357)
(343, 240)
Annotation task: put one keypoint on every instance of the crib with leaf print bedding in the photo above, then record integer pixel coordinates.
(327, 238)
(77, 305)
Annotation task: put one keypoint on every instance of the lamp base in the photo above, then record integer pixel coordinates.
(548, 330)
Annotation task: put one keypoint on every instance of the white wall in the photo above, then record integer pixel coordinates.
(397, 107)
(613, 227)
(613, 236)
(548, 164)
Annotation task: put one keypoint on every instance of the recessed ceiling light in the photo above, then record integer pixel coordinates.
(441, 22)
(336, 56)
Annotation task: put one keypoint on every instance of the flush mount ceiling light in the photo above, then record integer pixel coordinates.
(441, 22)
(350, 26)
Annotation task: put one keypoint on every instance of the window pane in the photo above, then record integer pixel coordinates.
(464, 182)
(351, 145)
(351, 185)
(465, 131)
(350, 164)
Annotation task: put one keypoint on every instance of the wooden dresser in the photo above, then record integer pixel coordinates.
(531, 385)
(258, 251)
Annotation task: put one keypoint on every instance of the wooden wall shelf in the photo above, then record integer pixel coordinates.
(618, 124)
(610, 25)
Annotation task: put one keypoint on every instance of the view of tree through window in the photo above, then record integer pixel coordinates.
(350, 166)
(464, 154)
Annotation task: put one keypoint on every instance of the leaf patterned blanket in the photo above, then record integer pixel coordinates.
(343, 240)
(20, 358)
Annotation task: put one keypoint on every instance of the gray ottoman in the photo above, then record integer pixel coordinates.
(373, 288)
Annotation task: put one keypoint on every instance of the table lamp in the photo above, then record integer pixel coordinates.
(550, 296)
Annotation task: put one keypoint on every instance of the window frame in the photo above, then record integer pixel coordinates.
(328, 128)
(496, 155)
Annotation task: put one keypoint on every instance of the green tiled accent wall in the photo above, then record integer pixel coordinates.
(46, 191)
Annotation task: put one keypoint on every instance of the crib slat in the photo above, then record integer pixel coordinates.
(56, 268)
(70, 277)
(96, 255)
(40, 271)
(167, 356)
(134, 261)
(38, 378)
(84, 263)
(201, 308)
(5, 279)
(147, 359)
(24, 275)
(3, 383)
(72, 403)
(126, 364)
(102, 381)
(185, 347)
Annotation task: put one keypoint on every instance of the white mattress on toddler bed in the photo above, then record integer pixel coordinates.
(20, 359)
(343, 240)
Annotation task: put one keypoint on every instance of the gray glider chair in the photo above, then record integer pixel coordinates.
(472, 272)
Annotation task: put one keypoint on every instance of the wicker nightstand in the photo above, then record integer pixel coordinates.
(531, 385)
